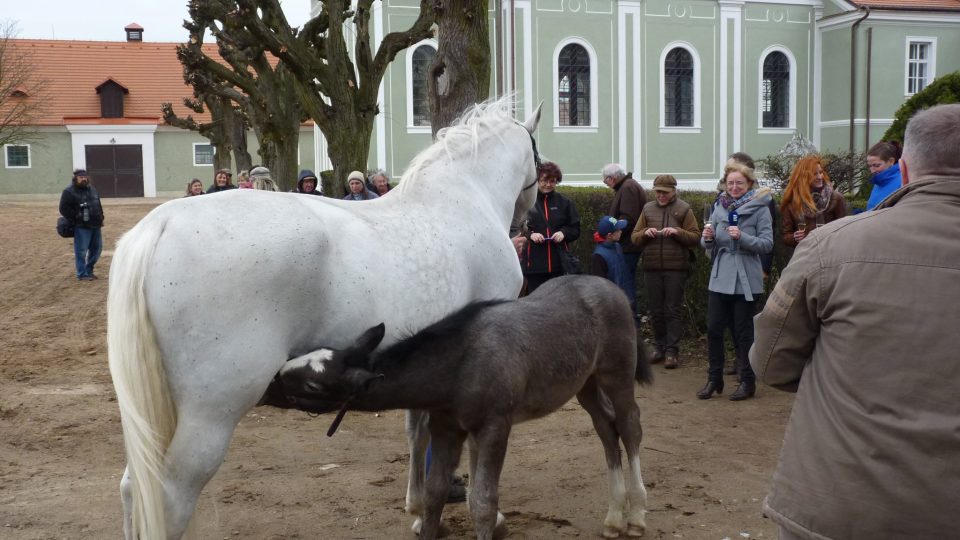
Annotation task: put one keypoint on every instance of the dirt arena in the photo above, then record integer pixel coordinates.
(707, 464)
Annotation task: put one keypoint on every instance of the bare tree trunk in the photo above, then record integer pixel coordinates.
(460, 74)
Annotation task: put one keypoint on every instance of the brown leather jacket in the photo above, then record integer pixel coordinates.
(861, 326)
(663, 253)
(836, 209)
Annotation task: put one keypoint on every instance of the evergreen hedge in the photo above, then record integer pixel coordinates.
(941, 91)
(592, 203)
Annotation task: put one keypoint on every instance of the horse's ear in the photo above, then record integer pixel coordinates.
(533, 121)
(370, 339)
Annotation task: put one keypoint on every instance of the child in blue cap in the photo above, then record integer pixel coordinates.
(607, 258)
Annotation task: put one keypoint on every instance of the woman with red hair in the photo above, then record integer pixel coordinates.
(809, 201)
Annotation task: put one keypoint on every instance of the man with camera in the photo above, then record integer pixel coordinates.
(80, 205)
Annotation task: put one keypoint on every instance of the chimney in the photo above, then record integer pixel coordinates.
(134, 32)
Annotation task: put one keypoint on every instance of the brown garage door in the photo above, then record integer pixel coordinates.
(116, 170)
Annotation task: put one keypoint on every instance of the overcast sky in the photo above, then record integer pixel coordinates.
(104, 20)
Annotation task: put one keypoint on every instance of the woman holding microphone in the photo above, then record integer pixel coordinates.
(740, 229)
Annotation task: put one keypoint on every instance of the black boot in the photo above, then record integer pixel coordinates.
(746, 390)
(709, 388)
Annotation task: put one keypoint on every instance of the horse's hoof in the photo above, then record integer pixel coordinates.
(442, 530)
(610, 532)
(417, 524)
(636, 530)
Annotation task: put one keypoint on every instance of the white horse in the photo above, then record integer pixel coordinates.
(209, 296)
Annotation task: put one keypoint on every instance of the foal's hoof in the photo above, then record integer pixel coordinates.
(636, 531)
(442, 530)
(500, 530)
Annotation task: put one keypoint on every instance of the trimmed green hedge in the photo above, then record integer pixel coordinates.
(593, 203)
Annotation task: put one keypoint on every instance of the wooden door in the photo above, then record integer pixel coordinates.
(116, 170)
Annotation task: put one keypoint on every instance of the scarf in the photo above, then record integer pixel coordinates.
(730, 204)
(821, 200)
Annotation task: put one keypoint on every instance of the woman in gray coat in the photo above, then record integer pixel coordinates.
(739, 231)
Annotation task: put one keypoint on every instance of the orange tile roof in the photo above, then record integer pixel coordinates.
(74, 69)
(911, 5)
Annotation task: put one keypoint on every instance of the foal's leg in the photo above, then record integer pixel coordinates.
(446, 439)
(627, 421)
(418, 437)
(603, 422)
(487, 452)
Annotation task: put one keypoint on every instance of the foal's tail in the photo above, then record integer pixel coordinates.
(643, 373)
(146, 408)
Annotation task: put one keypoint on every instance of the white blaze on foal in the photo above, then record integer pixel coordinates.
(316, 360)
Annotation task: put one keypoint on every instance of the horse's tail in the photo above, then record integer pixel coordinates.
(643, 373)
(146, 409)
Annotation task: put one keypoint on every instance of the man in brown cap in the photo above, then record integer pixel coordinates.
(666, 232)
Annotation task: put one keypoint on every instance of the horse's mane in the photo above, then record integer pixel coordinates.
(462, 138)
(456, 321)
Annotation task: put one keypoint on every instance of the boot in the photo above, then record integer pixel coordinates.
(710, 388)
(746, 390)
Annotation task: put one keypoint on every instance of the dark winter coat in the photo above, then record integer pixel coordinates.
(72, 202)
(551, 213)
(627, 204)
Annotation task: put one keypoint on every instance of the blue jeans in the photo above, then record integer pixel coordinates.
(630, 278)
(87, 244)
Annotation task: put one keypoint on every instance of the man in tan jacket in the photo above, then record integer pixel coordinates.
(861, 327)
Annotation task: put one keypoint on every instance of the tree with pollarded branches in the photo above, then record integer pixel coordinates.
(22, 92)
(315, 67)
(226, 130)
(460, 73)
(249, 75)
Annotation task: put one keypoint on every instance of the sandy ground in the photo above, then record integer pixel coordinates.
(706, 464)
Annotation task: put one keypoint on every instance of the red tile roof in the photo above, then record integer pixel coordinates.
(911, 5)
(74, 69)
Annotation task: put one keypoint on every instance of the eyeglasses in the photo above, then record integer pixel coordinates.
(548, 180)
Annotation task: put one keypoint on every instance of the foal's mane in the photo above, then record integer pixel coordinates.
(462, 138)
(407, 347)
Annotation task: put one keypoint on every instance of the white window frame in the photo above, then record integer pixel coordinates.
(594, 87)
(931, 62)
(791, 128)
(409, 71)
(214, 148)
(696, 127)
(6, 157)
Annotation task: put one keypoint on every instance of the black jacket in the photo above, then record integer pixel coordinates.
(74, 199)
(551, 213)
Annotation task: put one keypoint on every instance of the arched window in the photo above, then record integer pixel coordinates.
(775, 91)
(420, 62)
(678, 88)
(573, 77)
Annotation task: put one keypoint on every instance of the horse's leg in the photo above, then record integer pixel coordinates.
(194, 455)
(602, 415)
(126, 495)
(627, 420)
(490, 448)
(446, 438)
(418, 437)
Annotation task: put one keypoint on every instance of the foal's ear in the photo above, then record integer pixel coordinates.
(367, 342)
(533, 121)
